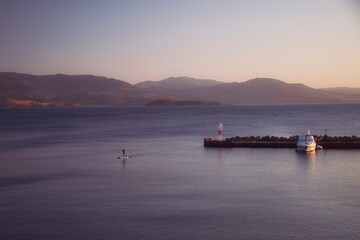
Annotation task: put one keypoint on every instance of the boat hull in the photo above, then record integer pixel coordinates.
(306, 148)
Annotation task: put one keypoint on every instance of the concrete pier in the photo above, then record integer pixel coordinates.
(228, 143)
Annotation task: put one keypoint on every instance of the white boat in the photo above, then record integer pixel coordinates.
(306, 143)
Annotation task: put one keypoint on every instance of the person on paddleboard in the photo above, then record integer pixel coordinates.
(123, 152)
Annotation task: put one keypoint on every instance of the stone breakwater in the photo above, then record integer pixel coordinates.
(327, 142)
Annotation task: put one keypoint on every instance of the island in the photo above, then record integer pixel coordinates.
(174, 102)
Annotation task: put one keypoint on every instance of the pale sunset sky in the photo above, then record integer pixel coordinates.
(315, 42)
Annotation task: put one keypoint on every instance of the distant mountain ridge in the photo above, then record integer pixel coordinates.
(69, 90)
(260, 91)
(168, 86)
(346, 90)
(18, 89)
(179, 83)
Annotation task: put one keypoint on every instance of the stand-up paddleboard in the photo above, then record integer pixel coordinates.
(123, 157)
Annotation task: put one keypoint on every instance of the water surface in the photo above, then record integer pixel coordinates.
(60, 177)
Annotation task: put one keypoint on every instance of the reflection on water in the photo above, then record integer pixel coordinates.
(219, 155)
(307, 160)
(311, 156)
(306, 156)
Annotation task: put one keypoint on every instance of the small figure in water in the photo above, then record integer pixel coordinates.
(123, 152)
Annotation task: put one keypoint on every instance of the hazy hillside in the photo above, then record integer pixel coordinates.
(345, 90)
(171, 85)
(59, 89)
(263, 91)
(87, 90)
(178, 83)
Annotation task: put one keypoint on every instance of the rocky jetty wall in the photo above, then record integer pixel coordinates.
(327, 142)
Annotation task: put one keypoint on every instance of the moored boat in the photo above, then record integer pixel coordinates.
(306, 143)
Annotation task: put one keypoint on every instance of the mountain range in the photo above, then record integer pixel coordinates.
(345, 90)
(259, 91)
(68, 90)
(18, 89)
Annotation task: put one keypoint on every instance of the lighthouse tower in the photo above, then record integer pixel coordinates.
(220, 128)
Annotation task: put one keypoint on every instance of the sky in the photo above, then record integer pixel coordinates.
(314, 42)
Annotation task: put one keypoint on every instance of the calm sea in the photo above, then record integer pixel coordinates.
(60, 177)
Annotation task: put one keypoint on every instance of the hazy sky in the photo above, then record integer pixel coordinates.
(315, 42)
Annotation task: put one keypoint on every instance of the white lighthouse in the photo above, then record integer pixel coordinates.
(220, 128)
